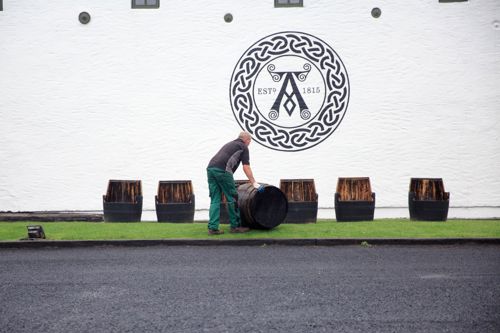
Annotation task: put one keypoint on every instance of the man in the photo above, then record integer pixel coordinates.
(220, 180)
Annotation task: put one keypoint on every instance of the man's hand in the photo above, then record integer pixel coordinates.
(258, 187)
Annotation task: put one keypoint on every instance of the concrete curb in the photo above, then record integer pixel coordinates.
(248, 242)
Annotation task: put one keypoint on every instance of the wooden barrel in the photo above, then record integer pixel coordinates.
(123, 201)
(175, 201)
(302, 200)
(354, 200)
(224, 213)
(427, 199)
(262, 210)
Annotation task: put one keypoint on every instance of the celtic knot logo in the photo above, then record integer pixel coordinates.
(290, 90)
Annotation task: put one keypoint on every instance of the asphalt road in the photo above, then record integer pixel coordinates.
(251, 289)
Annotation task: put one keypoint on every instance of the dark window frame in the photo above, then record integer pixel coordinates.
(288, 4)
(1, 5)
(134, 6)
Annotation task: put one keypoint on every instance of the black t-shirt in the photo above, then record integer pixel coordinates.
(230, 155)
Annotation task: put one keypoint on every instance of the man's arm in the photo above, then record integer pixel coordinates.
(248, 172)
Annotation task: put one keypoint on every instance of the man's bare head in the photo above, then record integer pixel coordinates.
(245, 137)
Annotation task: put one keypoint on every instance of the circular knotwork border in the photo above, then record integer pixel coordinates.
(326, 120)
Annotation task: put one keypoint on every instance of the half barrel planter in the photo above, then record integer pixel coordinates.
(224, 211)
(175, 201)
(123, 201)
(354, 200)
(427, 199)
(302, 200)
(261, 210)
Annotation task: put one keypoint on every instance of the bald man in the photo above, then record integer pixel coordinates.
(220, 180)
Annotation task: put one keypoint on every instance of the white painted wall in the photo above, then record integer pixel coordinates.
(143, 94)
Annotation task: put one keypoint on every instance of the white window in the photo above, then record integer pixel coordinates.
(145, 3)
(288, 3)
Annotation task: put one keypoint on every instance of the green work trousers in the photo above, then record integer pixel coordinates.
(220, 181)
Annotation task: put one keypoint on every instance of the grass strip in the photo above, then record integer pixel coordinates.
(381, 228)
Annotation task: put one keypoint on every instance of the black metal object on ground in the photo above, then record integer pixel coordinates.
(35, 231)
